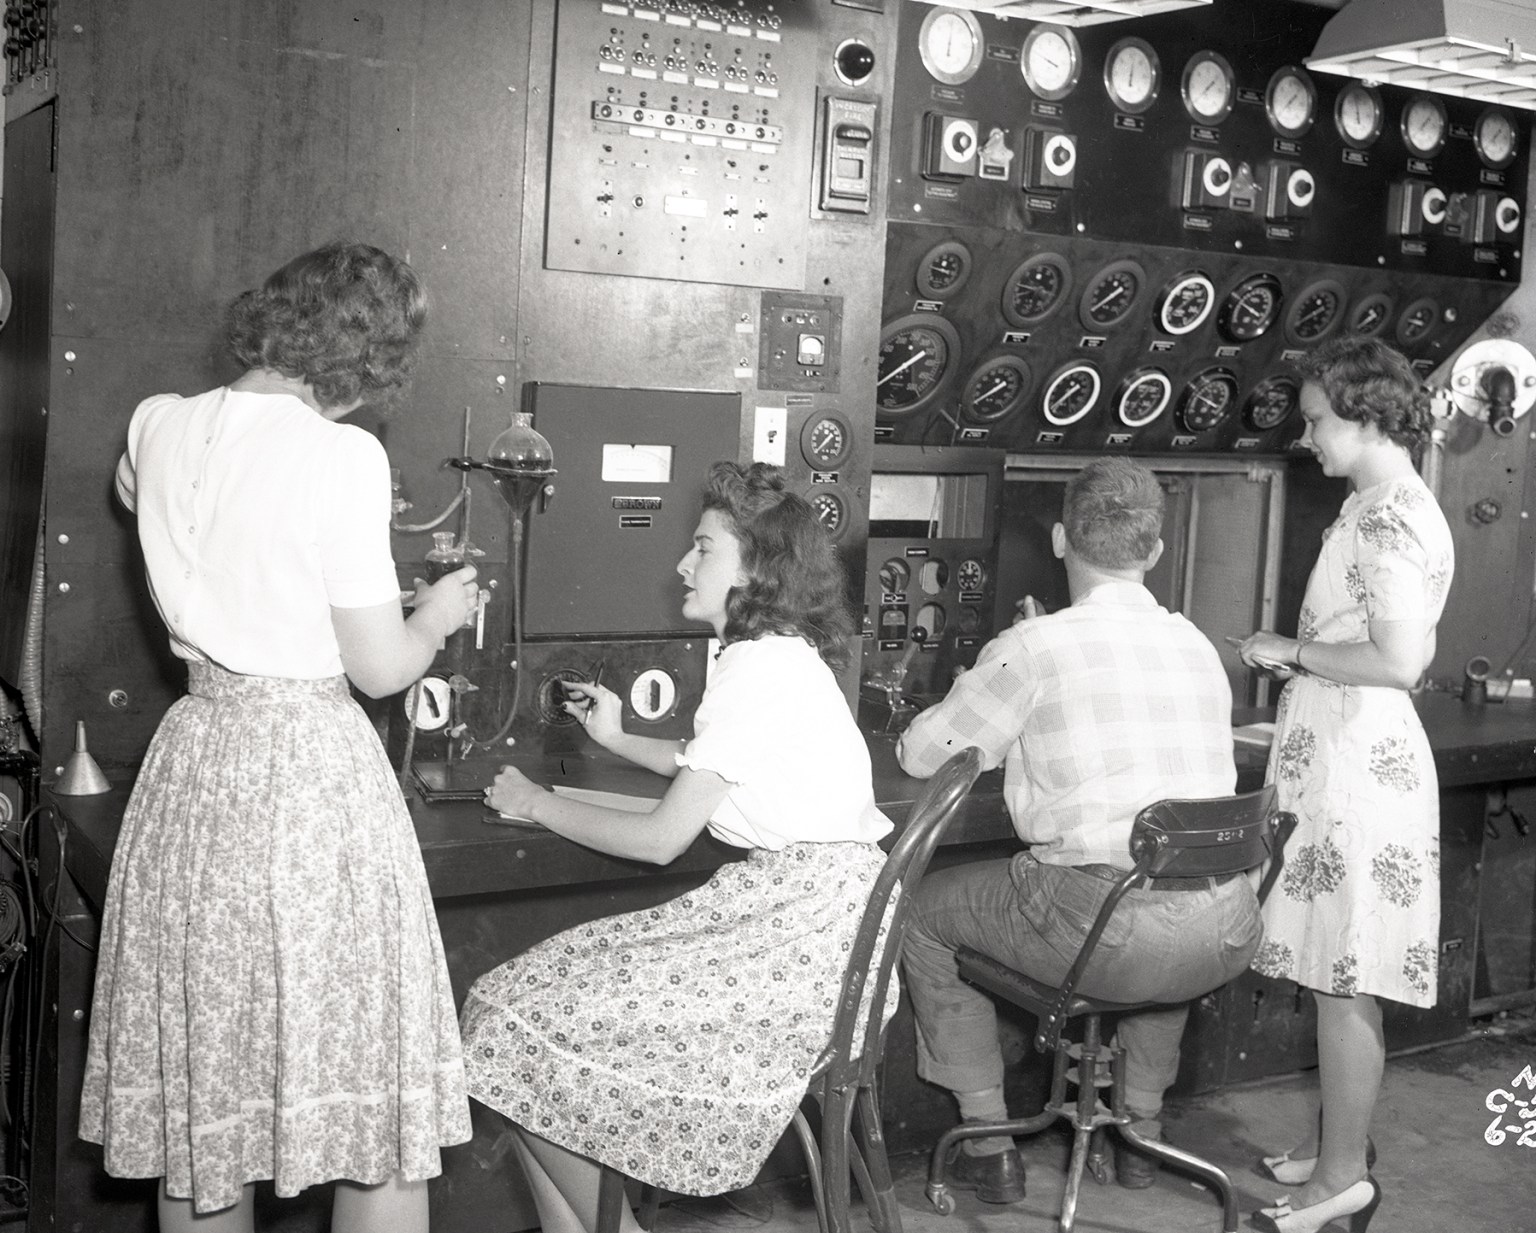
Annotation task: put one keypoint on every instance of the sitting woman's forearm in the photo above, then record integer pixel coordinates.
(651, 752)
(658, 837)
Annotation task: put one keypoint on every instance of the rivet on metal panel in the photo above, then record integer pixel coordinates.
(118, 698)
(77, 1014)
(501, 378)
(63, 588)
(70, 356)
(63, 539)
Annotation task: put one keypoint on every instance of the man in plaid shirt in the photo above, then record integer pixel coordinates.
(1094, 712)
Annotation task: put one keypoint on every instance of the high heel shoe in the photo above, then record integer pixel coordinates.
(1358, 1202)
(1293, 1171)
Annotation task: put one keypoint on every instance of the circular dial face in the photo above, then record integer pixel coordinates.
(654, 694)
(969, 619)
(1111, 295)
(1495, 138)
(932, 576)
(1071, 393)
(830, 512)
(951, 45)
(917, 354)
(1250, 308)
(1132, 75)
(1358, 115)
(895, 576)
(1185, 303)
(1208, 399)
(1050, 61)
(1142, 397)
(1315, 311)
(1290, 102)
(1271, 403)
(1370, 315)
(1208, 87)
(929, 624)
(825, 441)
(1424, 125)
(971, 575)
(1418, 321)
(996, 389)
(943, 269)
(1035, 289)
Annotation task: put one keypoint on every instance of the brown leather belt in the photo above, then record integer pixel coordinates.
(1154, 885)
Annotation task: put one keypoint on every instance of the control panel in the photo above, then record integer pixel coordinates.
(930, 586)
(1102, 241)
(682, 144)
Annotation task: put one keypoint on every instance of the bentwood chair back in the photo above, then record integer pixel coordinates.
(852, 1139)
(1217, 839)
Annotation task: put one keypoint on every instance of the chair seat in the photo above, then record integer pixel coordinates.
(1033, 995)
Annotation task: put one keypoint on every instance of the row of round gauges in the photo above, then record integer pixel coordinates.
(1002, 386)
(932, 576)
(952, 46)
(1042, 283)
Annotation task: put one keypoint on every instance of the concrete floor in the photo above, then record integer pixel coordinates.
(1437, 1173)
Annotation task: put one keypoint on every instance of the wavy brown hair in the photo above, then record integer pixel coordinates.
(795, 583)
(344, 318)
(1367, 382)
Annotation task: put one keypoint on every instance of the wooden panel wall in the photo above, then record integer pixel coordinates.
(200, 146)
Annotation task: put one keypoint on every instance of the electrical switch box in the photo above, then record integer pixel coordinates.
(1288, 191)
(949, 147)
(1050, 159)
(848, 156)
(1207, 181)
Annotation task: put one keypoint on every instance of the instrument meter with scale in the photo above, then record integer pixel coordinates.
(1035, 289)
(1131, 75)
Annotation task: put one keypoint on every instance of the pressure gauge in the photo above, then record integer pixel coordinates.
(1418, 321)
(1208, 399)
(1495, 139)
(1271, 403)
(1315, 311)
(1071, 393)
(830, 512)
(970, 575)
(1050, 61)
(997, 389)
(1111, 295)
(951, 45)
(1370, 315)
(917, 355)
(1208, 87)
(1250, 308)
(943, 269)
(1290, 102)
(1142, 397)
(1132, 75)
(1358, 115)
(1035, 289)
(825, 441)
(1424, 126)
(1185, 303)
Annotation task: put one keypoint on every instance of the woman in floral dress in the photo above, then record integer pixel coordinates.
(272, 1000)
(675, 1043)
(1355, 916)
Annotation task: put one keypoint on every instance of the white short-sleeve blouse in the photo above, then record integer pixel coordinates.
(257, 516)
(775, 725)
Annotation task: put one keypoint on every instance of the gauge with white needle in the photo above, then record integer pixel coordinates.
(918, 353)
(1050, 61)
(997, 389)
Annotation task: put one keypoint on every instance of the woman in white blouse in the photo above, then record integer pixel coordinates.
(271, 997)
(674, 1043)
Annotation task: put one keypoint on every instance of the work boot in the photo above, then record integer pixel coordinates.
(1134, 1169)
(996, 1178)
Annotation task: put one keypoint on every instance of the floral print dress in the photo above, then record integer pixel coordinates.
(1357, 907)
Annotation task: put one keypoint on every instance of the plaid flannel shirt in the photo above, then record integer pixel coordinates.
(1095, 712)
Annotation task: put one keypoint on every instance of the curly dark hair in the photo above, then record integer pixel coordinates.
(795, 582)
(1367, 382)
(344, 318)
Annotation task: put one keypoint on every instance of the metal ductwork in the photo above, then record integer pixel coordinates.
(1478, 49)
